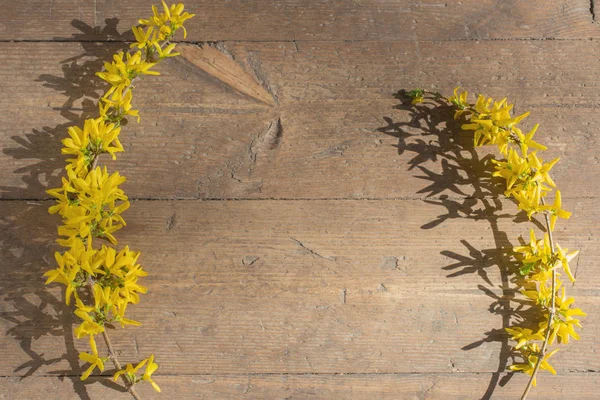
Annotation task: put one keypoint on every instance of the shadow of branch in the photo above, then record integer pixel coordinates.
(460, 181)
(32, 309)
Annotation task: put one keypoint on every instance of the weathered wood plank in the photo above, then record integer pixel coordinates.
(462, 386)
(297, 287)
(311, 20)
(205, 139)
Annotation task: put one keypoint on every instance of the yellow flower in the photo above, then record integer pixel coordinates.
(158, 19)
(526, 141)
(150, 369)
(541, 169)
(482, 106)
(167, 51)
(529, 200)
(563, 324)
(541, 296)
(144, 39)
(121, 72)
(523, 335)
(493, 123)
(121, 274)
(177, 17)
(97, 362)
(121, 306)
(460, 102)
(556, 210)
(89, 326)
(513, 169)
(485, 131)
(539, 260)
(526, 179)
(565, 258)
(531, 357)
(129, 371)
(95, 138)
(88, 206)
(71, 265)
(169, 21)
(116, 106)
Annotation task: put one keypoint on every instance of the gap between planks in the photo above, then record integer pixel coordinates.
(294, 41)
(232, 199)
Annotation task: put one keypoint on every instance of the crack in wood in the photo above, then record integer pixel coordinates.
(255, 65)
(306, 250)
(171, 222)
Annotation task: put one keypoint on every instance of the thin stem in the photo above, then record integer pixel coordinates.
(115, 360)
(550, 316)
(95, 162)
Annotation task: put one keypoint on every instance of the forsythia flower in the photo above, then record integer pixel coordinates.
(169, 21)
(150, 369)
(564, 259)
(71, 266)
(531, 355)
(527, 180)
(131, 372)
(120, 73)
(89, 326)
(460, 102)
(523, 336)
(563, 323)
(542, 295)
(117, 106)
(166, 52)
(493, 125)
(556, 210)
(526, 141)
(538, 257)
(96, 137)
(89, 207)
(97, 362)
(144, 39)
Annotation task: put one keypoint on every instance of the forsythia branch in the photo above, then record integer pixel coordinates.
(91, 202)
(528, 182)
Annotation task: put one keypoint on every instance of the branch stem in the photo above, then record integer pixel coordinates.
(113, 357)
(551, 314)
(95, 162)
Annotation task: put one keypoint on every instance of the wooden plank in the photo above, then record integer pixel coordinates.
(581, 386)
(310, 20)
(338, 136)
(297, 287)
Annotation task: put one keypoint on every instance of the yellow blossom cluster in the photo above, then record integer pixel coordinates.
(528, 182)
(103, 280)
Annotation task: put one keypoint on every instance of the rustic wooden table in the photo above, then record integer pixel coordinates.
(305, 239)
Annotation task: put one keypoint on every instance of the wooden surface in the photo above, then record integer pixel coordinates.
(306, 238)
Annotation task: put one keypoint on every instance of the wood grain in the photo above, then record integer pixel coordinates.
(299, 287)
(311, 20)
(320, 243)
(338, 134)
(273, 386)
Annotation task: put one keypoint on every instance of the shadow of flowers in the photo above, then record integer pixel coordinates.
(32, 310)
(464, 187)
